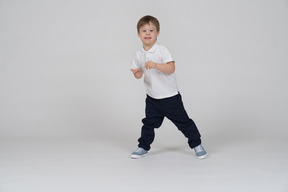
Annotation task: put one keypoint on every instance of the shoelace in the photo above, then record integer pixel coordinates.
(138, 150)
(199, 149)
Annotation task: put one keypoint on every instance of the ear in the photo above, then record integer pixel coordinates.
(138, 34)
(158, 33)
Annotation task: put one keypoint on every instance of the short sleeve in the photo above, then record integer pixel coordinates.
(166, 55)
(134, 63)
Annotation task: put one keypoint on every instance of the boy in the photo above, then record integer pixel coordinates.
(163, 99)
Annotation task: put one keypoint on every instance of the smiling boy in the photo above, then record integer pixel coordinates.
(163, 99)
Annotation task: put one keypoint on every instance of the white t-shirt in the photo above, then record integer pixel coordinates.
(158, 84)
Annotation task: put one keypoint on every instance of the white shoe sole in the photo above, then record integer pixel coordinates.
(202, 156)
(137, 156)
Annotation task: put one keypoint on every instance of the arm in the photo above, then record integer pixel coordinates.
(137, 73)
(167, 68)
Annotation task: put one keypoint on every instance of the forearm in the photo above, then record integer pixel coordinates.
(167, 68)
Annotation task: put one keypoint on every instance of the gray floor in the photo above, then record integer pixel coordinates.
(91, 164)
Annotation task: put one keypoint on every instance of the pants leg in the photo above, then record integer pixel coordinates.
(176, 112)
(153, 119)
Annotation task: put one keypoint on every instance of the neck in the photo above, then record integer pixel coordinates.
(148, 47)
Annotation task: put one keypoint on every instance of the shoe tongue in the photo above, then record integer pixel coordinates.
(139, 149)
(198, 148)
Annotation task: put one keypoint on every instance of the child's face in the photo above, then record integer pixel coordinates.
(148, 35)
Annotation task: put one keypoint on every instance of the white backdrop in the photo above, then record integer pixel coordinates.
(64, 66)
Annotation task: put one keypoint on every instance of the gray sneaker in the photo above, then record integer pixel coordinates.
(200, 152)
(138, 153)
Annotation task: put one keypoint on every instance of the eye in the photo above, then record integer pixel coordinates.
(151, 30)
(144, 31)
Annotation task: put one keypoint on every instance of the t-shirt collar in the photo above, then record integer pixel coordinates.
(151, 50)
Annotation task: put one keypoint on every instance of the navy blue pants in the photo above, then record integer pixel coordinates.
(173, 109)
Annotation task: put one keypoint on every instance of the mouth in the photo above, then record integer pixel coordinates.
(147, 38)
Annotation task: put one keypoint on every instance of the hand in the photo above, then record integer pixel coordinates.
(137, 73)
(150, 65)
(135, 70)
